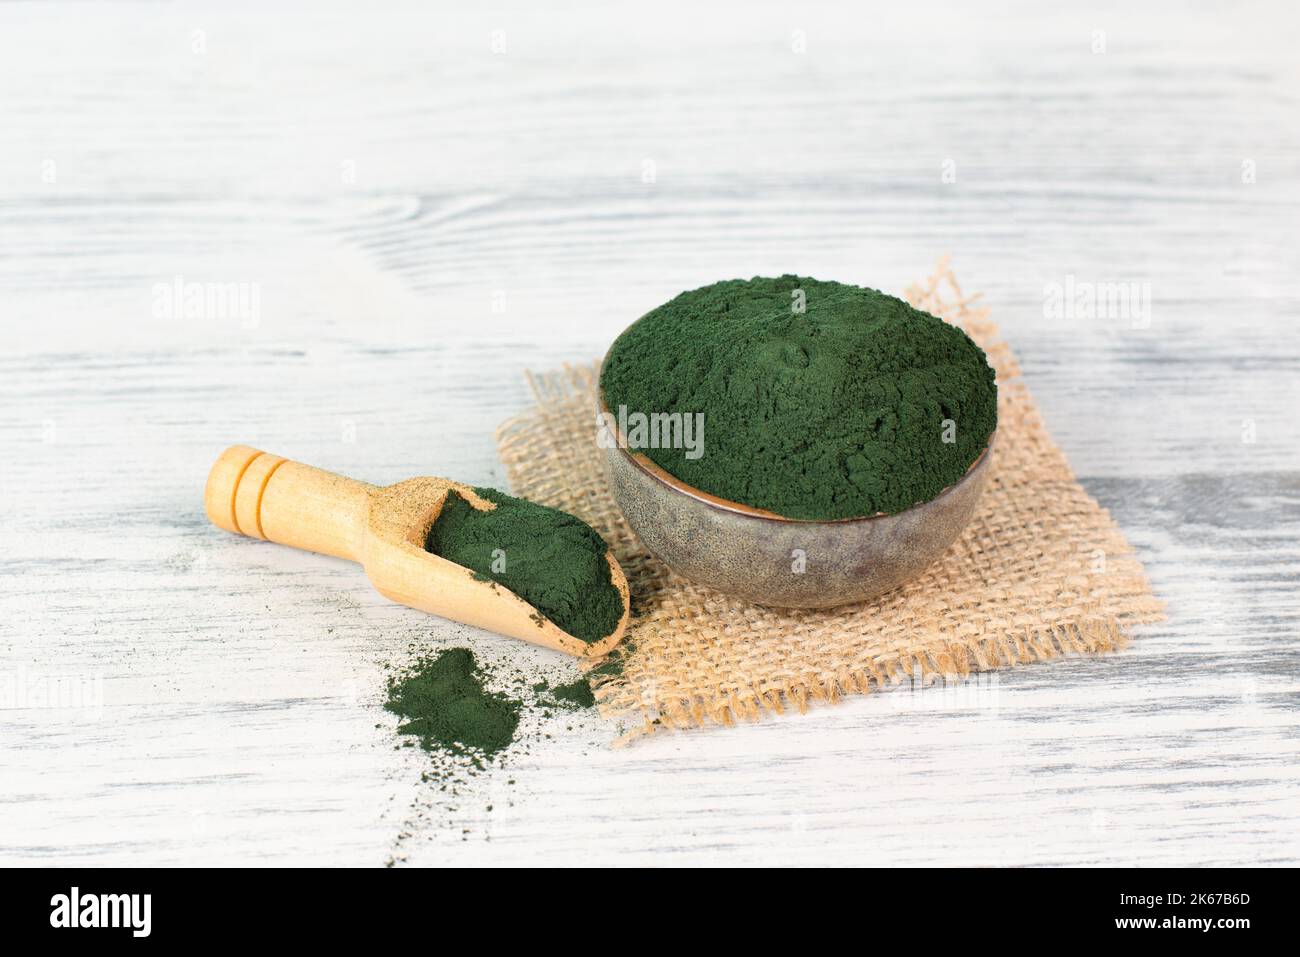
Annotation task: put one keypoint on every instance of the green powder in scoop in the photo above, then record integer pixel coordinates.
(549, 558)
(818, 400)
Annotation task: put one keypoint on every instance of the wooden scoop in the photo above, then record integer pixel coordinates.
(254, 493)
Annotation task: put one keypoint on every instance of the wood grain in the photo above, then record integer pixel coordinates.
(422, 219)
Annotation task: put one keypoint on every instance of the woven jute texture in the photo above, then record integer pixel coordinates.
(1041, 571)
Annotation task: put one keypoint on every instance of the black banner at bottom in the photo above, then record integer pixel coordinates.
(304, 907)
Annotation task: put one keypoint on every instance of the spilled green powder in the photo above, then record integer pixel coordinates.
(819, 400)
(549, 558)
(472, 735)
(445, 705)
(615, 662)
(575, 694)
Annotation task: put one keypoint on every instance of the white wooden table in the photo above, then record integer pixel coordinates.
(424, 203)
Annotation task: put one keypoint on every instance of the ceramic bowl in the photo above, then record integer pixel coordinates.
(787, 563)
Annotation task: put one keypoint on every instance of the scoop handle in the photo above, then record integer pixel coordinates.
(255, 493)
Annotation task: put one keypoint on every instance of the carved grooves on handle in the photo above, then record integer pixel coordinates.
(250, 489)
(234, 492)
(261, 492)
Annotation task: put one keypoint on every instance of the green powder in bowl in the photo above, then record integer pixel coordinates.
(547, 557)
(813, 400)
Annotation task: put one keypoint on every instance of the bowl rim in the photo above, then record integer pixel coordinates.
(664, 477)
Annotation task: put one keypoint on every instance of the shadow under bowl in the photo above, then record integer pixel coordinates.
(753, 554)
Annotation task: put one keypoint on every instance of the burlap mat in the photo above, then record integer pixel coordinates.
(1041, 571)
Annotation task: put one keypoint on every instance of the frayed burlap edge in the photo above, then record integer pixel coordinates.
(1042, 571)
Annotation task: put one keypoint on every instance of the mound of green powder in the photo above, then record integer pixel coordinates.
(446, 706)
(819, 400)
(549, 558)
